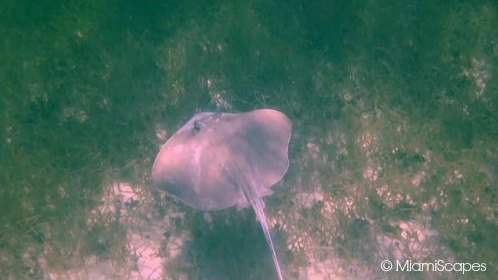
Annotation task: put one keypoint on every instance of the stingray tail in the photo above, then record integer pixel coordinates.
(258, 205)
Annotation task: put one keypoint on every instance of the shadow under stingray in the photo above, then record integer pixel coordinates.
(229, 245)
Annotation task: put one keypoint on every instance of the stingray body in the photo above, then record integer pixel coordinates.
(219, 160)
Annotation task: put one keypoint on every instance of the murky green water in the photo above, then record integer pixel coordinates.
(394, 152)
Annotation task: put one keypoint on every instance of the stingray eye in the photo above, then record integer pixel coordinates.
(197, 126)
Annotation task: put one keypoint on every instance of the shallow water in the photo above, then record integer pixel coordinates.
(393, 154)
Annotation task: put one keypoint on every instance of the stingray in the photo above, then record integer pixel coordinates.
(220, 160)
